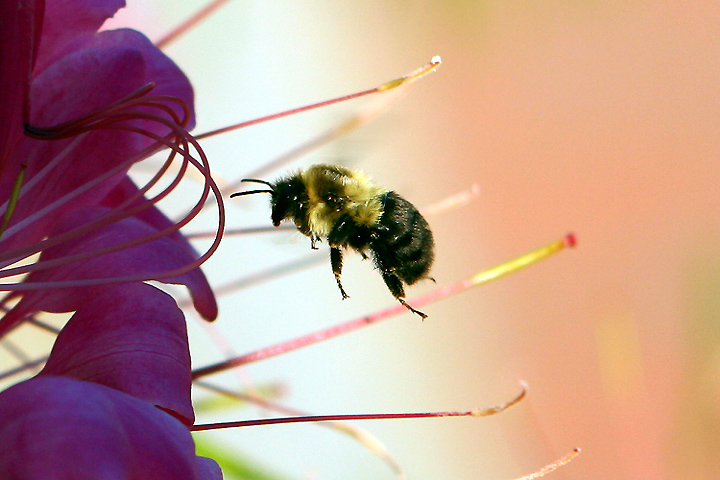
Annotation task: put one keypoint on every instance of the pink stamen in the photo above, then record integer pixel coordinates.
(352, 325)
(481, 412)
(570, 240)
(407, 79)
(360, 117)
(363, 437)
(285, 113)
(195, 19)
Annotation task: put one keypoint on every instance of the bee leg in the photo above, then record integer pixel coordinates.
(341, 231)
(396, 288)
(336, 264)
(313, 241)
(417, 312)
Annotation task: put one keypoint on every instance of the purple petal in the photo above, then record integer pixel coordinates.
(159, 69)
(132, 338)
(86, 80)
(20, 22)
(54, 427)
(66, 21)
(95, 75)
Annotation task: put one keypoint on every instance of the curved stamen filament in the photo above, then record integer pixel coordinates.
(117, 214)
(73, 194)
(113, 113)
(118, 116)
(186, 157)
(96, 118)
(105, 220)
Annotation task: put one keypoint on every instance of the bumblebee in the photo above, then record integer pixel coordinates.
(345, 208)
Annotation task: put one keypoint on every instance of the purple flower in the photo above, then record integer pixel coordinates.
(78, 108)
(76, 113)
(132, 338)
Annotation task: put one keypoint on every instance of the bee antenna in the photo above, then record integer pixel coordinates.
(255, 180)
(250, 192)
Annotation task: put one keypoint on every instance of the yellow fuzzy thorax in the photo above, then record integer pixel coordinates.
(359, 197)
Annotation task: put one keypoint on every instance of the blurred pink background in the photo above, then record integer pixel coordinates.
(601, 118)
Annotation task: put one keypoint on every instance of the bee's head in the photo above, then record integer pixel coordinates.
(288, 198)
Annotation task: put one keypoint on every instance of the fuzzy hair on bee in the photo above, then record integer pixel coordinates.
(346, 209)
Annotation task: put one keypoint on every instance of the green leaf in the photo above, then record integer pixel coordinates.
(233, 464)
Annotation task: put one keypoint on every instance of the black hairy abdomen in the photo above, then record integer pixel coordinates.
(402, 241)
